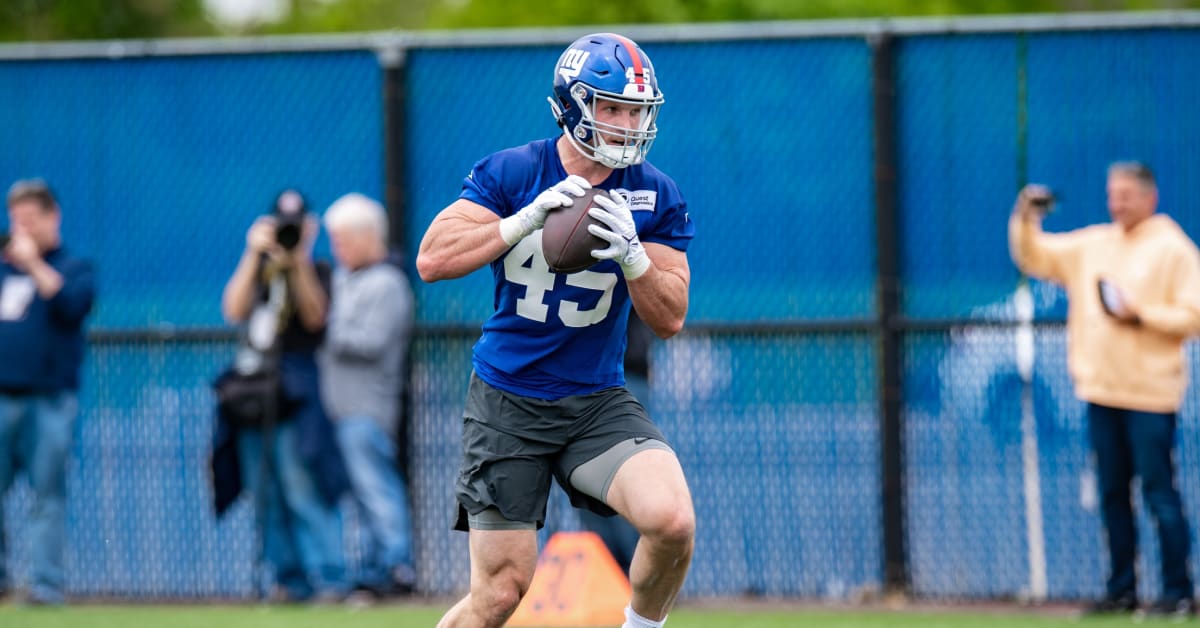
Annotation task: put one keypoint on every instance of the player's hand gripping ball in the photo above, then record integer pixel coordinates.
(567, 244)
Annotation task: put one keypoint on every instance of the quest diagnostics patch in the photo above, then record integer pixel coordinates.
(639, 200)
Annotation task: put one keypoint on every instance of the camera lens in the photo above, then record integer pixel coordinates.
(287, 234)
(289, 212)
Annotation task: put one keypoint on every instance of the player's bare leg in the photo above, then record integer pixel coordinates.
(502, 564)
(650, 491)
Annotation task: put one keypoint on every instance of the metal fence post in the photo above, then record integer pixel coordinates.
(883, 92)
(392, 64)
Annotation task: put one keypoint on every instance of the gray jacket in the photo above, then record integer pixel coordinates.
(366, 343)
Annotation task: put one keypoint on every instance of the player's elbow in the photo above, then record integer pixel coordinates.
(431, 267)
(669, 328)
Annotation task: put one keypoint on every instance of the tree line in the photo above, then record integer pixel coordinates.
(59, 20)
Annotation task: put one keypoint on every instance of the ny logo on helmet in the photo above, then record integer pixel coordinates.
(572, 62)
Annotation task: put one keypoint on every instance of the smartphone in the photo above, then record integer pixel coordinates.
(1110, 297)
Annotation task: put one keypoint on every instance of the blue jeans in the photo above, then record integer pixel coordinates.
(301, 534)
(35, 435)
(381, 497)
(1130, 443)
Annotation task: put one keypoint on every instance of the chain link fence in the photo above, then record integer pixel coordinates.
(771, 397)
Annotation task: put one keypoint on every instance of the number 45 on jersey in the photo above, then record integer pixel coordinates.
(524, 265)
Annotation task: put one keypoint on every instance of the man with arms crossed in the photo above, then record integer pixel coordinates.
(547, 395)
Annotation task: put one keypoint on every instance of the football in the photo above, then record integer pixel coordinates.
(566, 243)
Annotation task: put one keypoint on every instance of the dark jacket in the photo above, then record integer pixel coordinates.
(314, 435)
(41, 341)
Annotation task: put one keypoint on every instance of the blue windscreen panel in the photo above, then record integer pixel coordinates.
(980, 115)
(968, 529)
(161, 164)
(957, 101)
(1097, 98)
(774, 177)
(466, 104)
(777, 434)
(768, 140)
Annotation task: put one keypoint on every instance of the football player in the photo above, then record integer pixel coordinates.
(547, 397)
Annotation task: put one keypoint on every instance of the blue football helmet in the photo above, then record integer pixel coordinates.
(599, 70)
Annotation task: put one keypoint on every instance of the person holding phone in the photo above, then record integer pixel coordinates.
(1134, 291)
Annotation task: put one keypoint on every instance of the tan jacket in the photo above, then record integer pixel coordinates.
(1134, 366)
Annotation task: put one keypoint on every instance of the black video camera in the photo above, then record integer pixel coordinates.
(1042, 198)
(1044, 204)
(289, 212)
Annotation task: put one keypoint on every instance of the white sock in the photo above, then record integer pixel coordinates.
(633, 620)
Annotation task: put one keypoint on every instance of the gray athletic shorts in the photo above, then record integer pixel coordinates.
(512, 445)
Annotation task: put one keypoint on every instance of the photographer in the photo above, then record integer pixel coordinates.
(45, 295)
(281, 297)
(1134, 289)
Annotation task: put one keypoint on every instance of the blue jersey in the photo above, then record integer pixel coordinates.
(555, 335)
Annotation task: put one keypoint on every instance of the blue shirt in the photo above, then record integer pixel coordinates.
(41, 341)
(554, 335)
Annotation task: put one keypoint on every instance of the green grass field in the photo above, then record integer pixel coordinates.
(426, 616)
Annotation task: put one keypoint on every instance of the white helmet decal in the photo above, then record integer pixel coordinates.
(571, 63)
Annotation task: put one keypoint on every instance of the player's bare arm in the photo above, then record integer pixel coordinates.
(463, 238)
(660, 296)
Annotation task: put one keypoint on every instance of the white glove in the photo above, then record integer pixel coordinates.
(531, 217)
(621, 235)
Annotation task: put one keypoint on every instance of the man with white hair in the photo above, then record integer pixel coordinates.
(362, 362)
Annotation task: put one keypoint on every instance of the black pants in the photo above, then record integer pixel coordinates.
(1132, 443)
